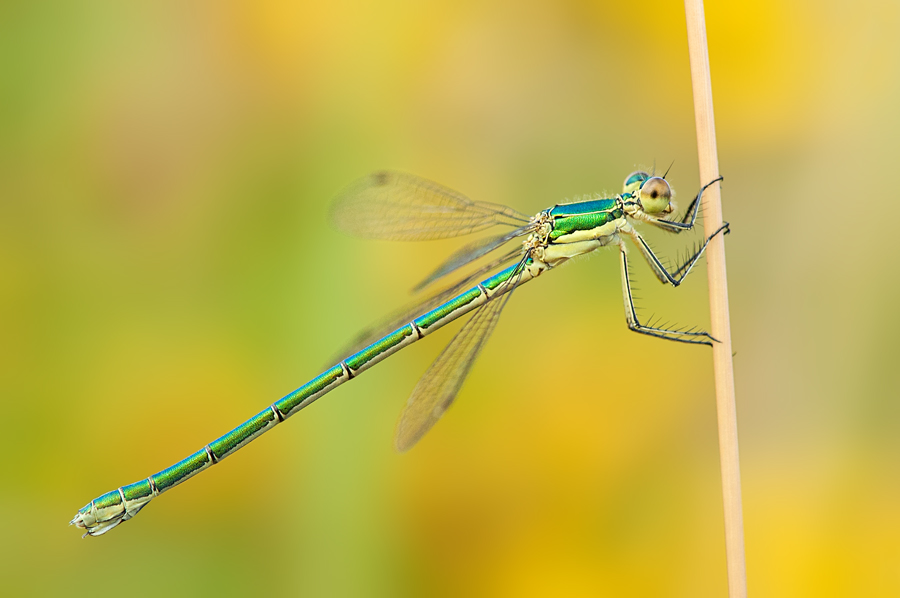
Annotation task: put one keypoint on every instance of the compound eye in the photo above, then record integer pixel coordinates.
(634, 181)
(655, 195)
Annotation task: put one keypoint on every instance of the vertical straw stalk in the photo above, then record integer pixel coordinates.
(718, 300)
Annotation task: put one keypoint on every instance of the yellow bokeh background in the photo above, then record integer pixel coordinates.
(167, 271)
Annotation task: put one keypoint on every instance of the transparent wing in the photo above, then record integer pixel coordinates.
(437, 389)
(410, 312)
(470, 253)
(403, 207)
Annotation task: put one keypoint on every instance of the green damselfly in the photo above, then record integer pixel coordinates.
(391, 205)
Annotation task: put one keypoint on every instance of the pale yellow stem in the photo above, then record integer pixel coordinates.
(718, 300)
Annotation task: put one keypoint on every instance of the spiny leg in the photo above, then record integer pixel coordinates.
(656, 265)
(682, 271)
(681, 336)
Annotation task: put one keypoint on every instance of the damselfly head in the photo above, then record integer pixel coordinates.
(655, 195)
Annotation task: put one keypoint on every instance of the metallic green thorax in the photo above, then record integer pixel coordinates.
(584, 215)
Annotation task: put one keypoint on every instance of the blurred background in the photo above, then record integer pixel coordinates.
(167, 271)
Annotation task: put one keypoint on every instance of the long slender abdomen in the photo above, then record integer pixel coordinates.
(109, 510)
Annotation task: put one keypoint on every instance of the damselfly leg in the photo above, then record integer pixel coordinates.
(682, 336)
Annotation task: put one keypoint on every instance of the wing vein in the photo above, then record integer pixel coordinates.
(438, 387)
(403, 207)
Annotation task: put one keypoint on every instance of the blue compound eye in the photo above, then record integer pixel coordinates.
(634, 181)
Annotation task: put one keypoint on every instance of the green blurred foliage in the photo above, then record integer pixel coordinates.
(166, 271)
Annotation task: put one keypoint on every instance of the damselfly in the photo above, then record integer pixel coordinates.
(391, 205)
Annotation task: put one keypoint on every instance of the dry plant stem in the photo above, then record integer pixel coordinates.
(718, 301)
